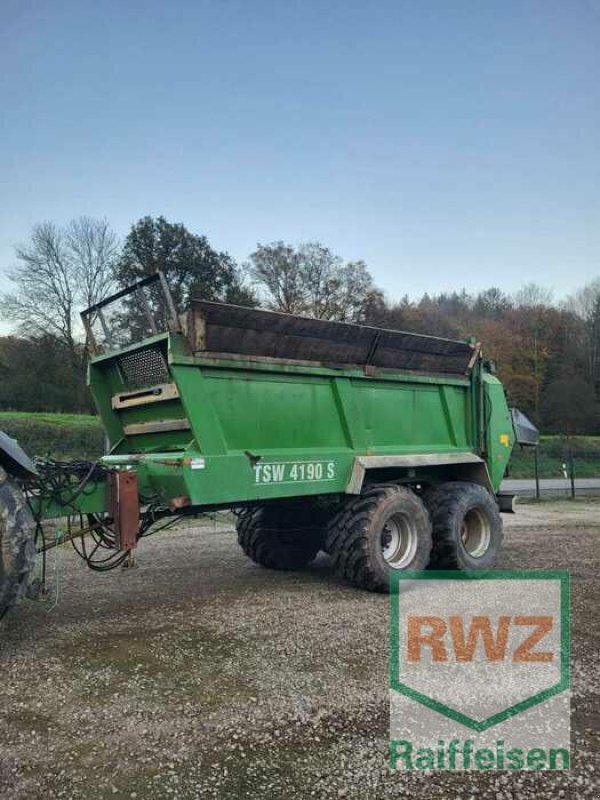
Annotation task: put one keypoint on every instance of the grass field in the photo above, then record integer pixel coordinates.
(52, 419)
(553, 453)
(79, 436)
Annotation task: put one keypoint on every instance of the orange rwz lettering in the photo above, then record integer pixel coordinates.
(481, 626)
(543, 626)
(433, 639)
(431, 631)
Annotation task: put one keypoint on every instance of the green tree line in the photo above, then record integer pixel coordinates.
(547, 352)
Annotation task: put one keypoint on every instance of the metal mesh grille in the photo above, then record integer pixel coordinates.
(143, 368)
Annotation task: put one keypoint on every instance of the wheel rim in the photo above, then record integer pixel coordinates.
(398, 541)
(476, 533)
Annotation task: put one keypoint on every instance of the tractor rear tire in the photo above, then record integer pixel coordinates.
(386, 528)
(467, 527)
(17, 548)
(281, 536)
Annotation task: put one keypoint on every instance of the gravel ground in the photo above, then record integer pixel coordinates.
(199, 674)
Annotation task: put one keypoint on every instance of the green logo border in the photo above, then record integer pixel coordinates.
(396, 579)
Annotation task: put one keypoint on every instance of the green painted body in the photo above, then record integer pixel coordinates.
(258, 429)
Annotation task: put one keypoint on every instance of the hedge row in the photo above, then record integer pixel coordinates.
(54, 439)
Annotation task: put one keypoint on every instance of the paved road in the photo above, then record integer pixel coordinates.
(551, 486)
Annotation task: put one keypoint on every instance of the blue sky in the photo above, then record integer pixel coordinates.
(447, 144)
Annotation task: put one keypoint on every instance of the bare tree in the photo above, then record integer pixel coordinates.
(532, 295)
(357, 292)
(276, 268)
(59, 272)
(322, 278)
(312, 280)
(585, 304)
(94, 250)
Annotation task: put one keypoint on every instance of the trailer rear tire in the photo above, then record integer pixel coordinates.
(283, 537)
(467, 527)
(386, 528)
(17, 549)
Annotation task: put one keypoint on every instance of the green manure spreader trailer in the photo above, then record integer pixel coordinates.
(382, 448)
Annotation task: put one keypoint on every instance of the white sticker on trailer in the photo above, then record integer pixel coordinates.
(294, 472)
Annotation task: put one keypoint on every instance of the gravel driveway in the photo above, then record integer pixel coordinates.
(199, 674)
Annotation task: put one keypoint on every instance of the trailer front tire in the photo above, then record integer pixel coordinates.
(17, 549)
(280, 536)
(386, 528)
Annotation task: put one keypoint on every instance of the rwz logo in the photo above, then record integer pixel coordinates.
(486, 652)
